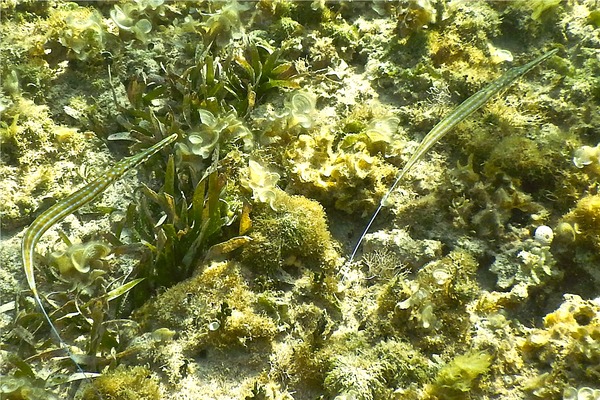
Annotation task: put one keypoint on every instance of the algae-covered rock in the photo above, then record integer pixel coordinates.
(526, 265)
(532, 161)
(351, 365)
(433, 306)
(567, 347)
(214, 308)
(125, 383)
(409, 252)
(42, 155)
(362, 371)
(294, 233)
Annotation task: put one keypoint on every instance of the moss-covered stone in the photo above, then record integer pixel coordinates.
(125, 383)
(567, 348)
(214, 308)
(295, 233)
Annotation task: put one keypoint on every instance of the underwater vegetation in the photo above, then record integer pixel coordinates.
(220, 264)
(127, 384)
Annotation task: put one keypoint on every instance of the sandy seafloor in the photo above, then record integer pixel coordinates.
(480, 278)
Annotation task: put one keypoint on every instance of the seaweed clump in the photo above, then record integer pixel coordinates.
(214, 308)
(433, 306)
(295, 233)
(459, 376)
(125, 383)
(351, 366)
(578, 239)
(567, 347)
(586, 216)
(352, 181)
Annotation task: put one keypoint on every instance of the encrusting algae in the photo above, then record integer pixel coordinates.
(225, 266)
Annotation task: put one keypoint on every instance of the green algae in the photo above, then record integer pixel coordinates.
(294, 233)
(457, 377)
(454, 275)
(218, 294)
(126, 383)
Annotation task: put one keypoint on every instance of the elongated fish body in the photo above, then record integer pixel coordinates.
(70, 204)
(461, 112)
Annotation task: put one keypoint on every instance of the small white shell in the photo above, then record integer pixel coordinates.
(213, 326)
(544, 235)
(586, 155)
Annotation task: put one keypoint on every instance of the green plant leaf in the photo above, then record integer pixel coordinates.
(169, 185)
(121, 290)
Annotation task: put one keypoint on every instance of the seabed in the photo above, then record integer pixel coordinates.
(219, 268)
